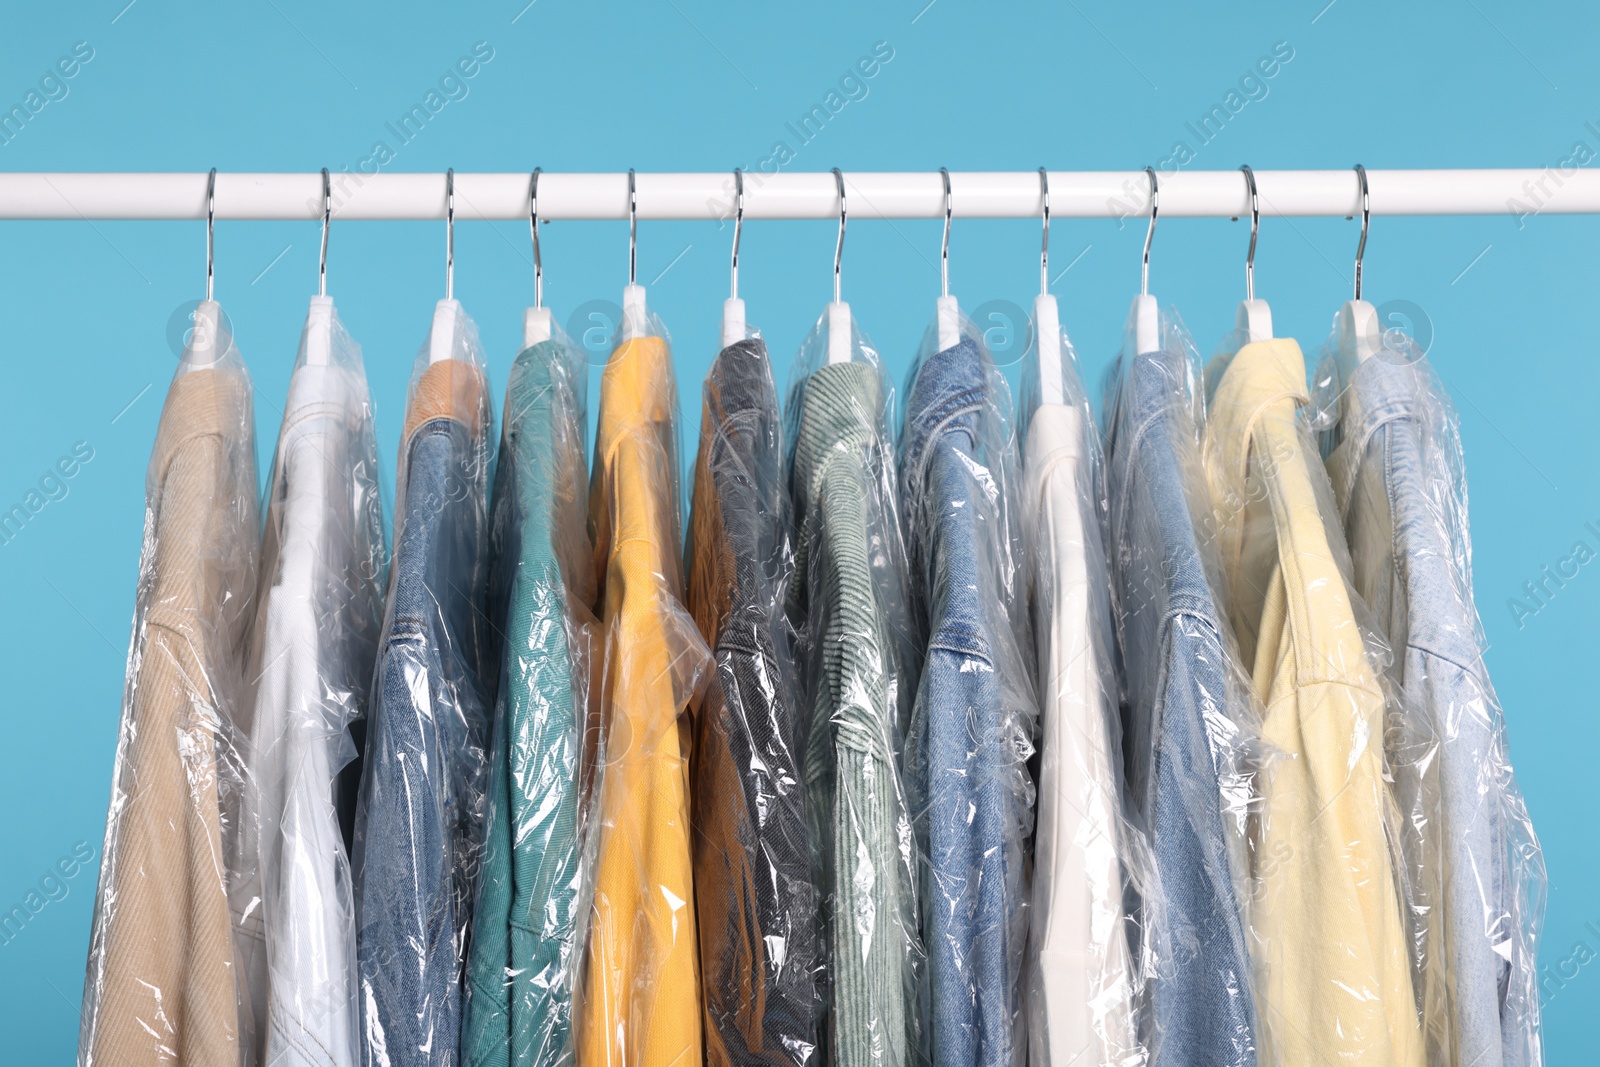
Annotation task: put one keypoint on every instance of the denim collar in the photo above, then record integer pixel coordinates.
(1383, 389)
(1158, 449)
(1418, 471)
(948, 396)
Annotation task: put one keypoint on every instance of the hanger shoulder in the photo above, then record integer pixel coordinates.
(1146, 324)
(1047, 322)
(1254, 320)
(1357, 330)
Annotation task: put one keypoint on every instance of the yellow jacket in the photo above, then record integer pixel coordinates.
(1334, 977)
(641, 1005)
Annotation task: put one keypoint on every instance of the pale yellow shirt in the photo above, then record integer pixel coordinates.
(1330, 948)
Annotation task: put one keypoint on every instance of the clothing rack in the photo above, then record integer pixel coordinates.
(904, 195)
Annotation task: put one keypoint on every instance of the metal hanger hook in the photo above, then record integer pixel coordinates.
(738, 228)
(838, 248)
(327, 213)
(944, 246)
(1255, 229)
(211, 225)
(633, 229)
(450, 234)
(1044, 247)
(1150, 231)
(1366, 221)
(533, 225)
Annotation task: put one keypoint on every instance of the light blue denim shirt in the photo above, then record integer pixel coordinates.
(1183, 692)
(1402, 498)
(975, 710)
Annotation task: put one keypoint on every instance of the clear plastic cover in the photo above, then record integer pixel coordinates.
(1191, 740)
(533, 895)
(315, 642)
(1393, 450)
(419, 823)
(1091, 861)
(164, 978)
(641, 1002)
(755, 890)
(850, 600)
(1336, 919)
(973, 723)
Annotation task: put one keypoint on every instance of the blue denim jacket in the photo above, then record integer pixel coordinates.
(975, 710)
(1397, 478)
(1182, 694)
(419, 823)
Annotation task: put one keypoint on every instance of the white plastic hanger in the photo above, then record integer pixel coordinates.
(839, 346)
(1253, 320)
(200, 350)
(441, 341)
(319, 320)
(949, 311)
(536, 326)
(1146, 314)
(733, 328)
(634, 317)
(1357, 334)
(1046, 315)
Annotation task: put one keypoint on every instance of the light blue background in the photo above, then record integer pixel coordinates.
(292, 85)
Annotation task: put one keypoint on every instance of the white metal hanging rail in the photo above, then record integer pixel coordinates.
(905, 195)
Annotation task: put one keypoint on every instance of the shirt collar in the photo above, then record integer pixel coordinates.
(212, 401)
(841, 410)
(948, 395)
(1261, 374)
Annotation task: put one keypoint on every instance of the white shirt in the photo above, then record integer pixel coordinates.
(1081, 997)
(316, 640)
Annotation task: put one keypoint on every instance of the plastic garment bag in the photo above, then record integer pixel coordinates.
(1331, 940)
(163, 980)
(315, 641)
(1083, 984)
(419, 823)
(974, 718)
(641, 1003)
(756, 896)
(1393, 449)
(858, 656)
(527, 933)
(1189, 720)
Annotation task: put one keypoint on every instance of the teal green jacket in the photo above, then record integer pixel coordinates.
(526, 943)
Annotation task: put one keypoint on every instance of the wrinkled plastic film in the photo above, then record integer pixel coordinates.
(323, 561)
(1393, 451)
(756, 894)
(1340, 917)
(641, 1001)
(972, 728)
(859, 656)
(533, 900)
(419, 822)
(164, 977)
(1093, 875)
(1190, 726)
